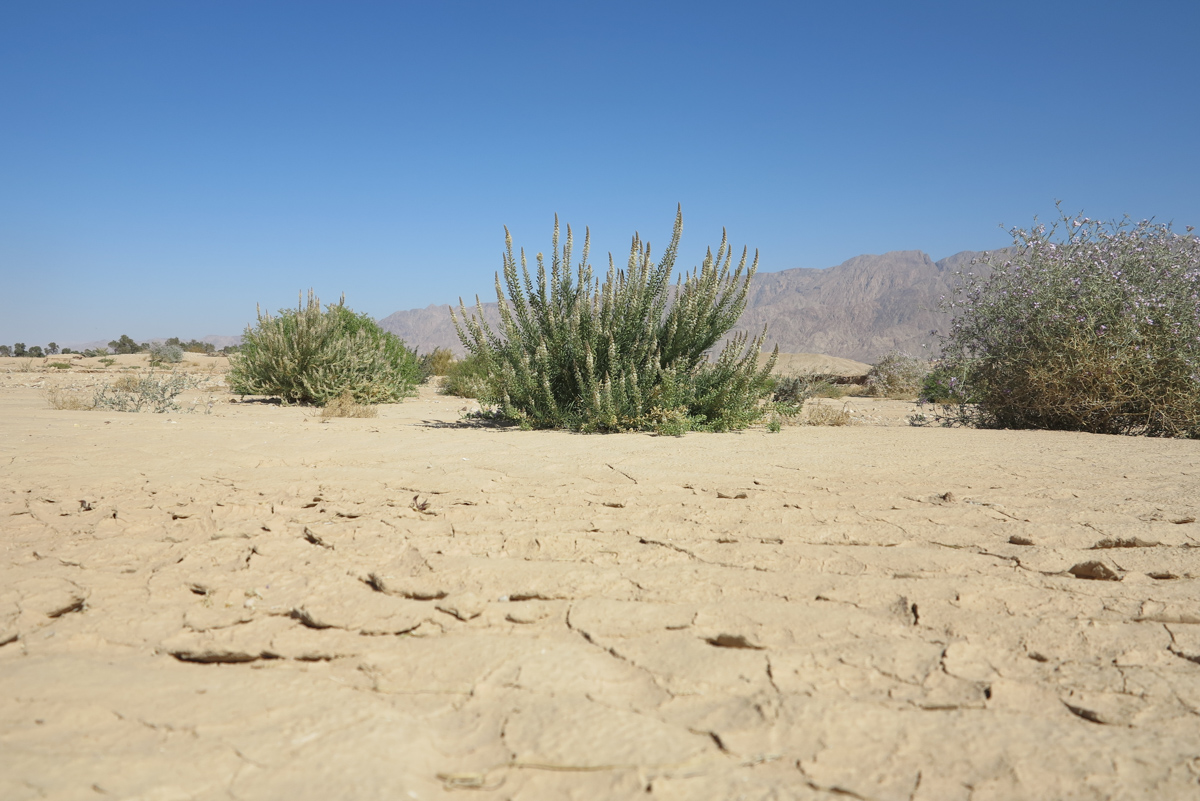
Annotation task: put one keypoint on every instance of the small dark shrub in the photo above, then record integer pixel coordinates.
(306, 355)
(126, 345)
(1090, 327)
(626, 354)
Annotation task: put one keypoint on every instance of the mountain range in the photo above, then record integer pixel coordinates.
(860, 309)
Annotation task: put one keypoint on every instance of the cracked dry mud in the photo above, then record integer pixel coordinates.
(255, 604)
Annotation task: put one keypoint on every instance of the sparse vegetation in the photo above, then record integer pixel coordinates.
(165, 353)
(344, 405)
(437, 362)
(625, 355)
(133, 393)
(466, 378)
(69, 399)
(821, 414)
(1090, 327)
(60, 365)
(897, 375)
(108, 362)
(306, 355)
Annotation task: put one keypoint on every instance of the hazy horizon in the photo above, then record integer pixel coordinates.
(168, 167)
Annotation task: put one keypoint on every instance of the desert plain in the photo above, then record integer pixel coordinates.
(240, 600)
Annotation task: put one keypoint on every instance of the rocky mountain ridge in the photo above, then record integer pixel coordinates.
(860, 309)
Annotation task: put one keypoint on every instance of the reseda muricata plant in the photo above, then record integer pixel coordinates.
(626, 355)
(1085, 326)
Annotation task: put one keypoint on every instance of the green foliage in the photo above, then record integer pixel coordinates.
(5, 350)
(1090, 327)
(36, 352)
(133, 393)
(628, 354)
(19, 349)
(466, 378)
(437, 362)
(192, 346)
(108, 362)
(897, 375)
(165, 353)
(52, 349)
(306, 355)
(126, 345)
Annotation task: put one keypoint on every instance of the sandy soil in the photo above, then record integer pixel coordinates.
(253, 603)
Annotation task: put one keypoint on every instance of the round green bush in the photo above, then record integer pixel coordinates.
(306, 355)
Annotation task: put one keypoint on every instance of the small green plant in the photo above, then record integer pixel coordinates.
(466, 378)
(1090, 326)
(131, 393)
(344, 405)
(307, 355)
(108, 362)
(60, 365)
(628, 354)
(437, 362)
(165, 353)
(897, 375)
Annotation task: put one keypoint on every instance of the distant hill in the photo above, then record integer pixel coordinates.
(858, 310)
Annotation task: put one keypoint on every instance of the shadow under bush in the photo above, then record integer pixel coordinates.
(625, 355)
(1096, 330)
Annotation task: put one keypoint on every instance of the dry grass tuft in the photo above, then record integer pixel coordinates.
(821, 415)
(69, 399)
(344, 405)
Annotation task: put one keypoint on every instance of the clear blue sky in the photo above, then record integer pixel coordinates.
(166, 166)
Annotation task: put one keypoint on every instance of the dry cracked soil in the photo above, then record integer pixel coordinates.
(254, 603)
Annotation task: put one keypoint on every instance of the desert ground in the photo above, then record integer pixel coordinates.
(241, 600)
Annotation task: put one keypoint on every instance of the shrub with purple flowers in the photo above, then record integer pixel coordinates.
(1083, 326)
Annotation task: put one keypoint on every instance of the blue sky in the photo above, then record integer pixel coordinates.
(166, 166)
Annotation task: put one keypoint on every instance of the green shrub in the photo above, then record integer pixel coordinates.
(131, 393)
(1095, 329)
(897, 375)
(439, 361)
(466, 378)
(306, 355)
(165, 353)
(126, 345)
(628, 354)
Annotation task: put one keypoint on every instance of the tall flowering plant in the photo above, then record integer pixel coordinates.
(1085, 326)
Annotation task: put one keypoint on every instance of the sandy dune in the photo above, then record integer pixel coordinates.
(256, 604)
